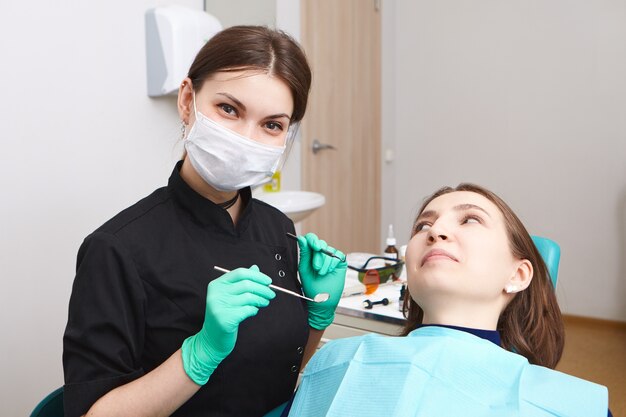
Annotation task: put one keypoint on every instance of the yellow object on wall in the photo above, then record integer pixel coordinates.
(274, 184)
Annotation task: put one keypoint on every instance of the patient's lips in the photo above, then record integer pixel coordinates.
(438, 254)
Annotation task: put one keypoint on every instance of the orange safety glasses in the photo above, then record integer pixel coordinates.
(373, 277)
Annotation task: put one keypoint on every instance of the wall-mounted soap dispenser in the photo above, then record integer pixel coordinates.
(174, 35)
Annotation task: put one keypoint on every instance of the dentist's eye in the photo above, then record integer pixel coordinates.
(422, 226)
(228, 109)
(274, 126)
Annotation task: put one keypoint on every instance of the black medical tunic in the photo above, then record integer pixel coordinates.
(140, 290)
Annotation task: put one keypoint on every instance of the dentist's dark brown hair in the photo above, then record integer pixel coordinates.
(531, 324)
(256, 48)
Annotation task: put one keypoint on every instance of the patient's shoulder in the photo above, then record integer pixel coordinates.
(569, 395)
(338, 352)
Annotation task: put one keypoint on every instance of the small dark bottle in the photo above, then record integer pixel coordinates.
(401, 299)
(391, 251)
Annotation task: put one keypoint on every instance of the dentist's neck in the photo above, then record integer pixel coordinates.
(191, 177)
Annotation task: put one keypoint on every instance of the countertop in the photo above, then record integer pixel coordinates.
(352, 305)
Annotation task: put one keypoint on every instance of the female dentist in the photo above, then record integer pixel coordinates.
(153, 328)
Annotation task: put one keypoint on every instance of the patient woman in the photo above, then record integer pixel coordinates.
(483, 331)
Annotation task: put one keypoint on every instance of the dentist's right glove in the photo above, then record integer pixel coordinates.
(230, 299)
(321, 273)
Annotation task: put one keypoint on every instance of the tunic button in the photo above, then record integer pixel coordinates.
(294, 368)
(278, 257)
(300, 349)
(281, 273)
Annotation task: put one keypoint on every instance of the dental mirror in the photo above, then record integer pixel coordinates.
(319, 298)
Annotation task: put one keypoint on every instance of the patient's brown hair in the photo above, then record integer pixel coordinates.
(531, 324)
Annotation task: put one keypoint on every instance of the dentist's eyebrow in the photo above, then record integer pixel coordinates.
(463, 207)
(278, 116)
(234, 100)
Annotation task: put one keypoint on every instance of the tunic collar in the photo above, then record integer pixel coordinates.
(203, 210)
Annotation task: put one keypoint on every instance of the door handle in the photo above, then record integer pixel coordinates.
(318, 146)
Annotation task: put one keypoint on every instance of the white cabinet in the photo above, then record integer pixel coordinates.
(351, 319)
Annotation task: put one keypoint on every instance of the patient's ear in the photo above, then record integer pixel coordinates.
(520, 280)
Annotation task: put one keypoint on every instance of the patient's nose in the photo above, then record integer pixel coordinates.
(434, 237)
(436, 232)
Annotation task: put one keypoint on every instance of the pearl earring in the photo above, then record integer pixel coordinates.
(510, 288)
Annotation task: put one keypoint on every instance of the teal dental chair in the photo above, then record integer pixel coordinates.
(551, 254)
(51, 406)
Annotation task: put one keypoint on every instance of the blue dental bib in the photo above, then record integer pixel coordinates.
(438, 371)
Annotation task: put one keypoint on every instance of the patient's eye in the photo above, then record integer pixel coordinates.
(471, 219)
(422, 226)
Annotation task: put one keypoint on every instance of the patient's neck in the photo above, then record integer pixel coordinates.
(474, 318)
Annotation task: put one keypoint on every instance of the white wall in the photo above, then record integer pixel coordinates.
(80, 141)
(243, 12)
(529, 99)
(288, 19)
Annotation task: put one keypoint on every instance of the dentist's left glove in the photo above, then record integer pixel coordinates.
(230, 299)
(321, 273)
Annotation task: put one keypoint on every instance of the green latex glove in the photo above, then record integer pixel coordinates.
(230, 299)
(321, 273)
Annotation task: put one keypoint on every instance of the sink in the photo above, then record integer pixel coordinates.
(297, 205)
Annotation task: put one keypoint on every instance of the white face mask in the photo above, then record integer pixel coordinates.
(226, 160)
